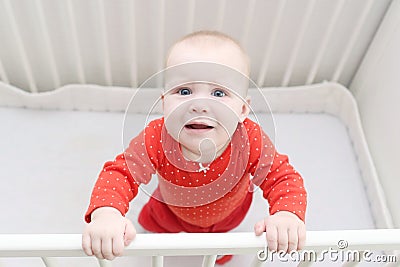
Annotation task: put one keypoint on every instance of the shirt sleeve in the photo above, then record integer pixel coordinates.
(284, 188)
(282, 185)
(119, 180)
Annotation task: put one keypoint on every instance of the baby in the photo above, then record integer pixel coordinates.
(208, 156)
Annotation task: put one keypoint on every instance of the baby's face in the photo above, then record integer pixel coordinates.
(206, 99)
(202, 116)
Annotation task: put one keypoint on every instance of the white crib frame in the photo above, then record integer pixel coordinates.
(207, 244)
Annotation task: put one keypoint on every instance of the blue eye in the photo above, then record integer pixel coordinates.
(184, 91)
(218, 93)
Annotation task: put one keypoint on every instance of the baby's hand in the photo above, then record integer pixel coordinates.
(285, 231)
(107, 233)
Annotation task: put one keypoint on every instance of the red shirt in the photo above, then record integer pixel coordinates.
(201, 196)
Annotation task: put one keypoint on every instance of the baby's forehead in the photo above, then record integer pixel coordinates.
(217, 50)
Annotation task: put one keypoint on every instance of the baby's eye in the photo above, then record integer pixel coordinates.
(218, 93)
(184, 91)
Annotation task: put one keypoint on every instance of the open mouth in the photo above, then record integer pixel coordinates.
(198, 126)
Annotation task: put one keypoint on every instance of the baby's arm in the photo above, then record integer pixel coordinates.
(107, 234)
(284, 190)
(283, 187)
(108, 230)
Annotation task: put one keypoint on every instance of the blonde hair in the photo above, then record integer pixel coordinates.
(205, 37)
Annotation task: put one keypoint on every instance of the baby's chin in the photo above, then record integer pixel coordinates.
(205, 149)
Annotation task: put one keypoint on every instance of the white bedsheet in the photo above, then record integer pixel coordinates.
(49, 162)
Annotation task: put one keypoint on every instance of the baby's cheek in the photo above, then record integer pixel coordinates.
(229, 124)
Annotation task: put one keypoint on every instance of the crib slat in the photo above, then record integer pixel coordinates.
(296, 47)
(209, 260)
(309, 259)
(305, 264)
(351, 42)
(221, 14)
(49, 262)
(190, 16)
(268, 49)
(350, 263)
(321, 51)
(161, 34)
(104, 36)
(75, 42)
(157, 261)
(133, 41)
(48, 45)
(3, 74)
(247, 21)
(256, 262)
(21, 47)
(105, 263)
(395, 260)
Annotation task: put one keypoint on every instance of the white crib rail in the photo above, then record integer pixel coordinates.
(208, 244)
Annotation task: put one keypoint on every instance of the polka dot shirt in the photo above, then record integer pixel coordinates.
(201, 195)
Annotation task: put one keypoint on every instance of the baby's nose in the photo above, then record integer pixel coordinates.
(199, 106)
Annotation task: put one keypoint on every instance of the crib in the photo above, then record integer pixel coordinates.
(69, 68)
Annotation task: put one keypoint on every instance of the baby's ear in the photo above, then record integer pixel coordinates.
(245, 109)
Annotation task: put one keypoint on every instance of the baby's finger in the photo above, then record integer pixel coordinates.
(87, 244)
(259, 228)
(272, 237)
(292, 239)
(282, 239)
(301, 232)
(117, 246)
(96, 247)
(106, 248)
(130, 232)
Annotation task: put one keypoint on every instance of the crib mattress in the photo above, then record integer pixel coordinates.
(50, 160)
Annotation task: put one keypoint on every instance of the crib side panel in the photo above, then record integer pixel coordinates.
(376, 87)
